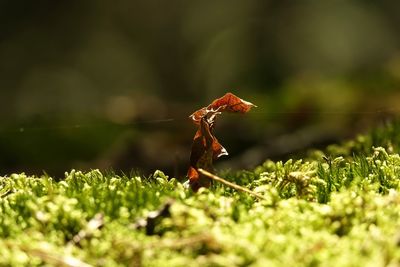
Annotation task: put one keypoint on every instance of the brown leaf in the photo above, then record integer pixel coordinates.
(202, 155)
(205, 147)
(229, 102)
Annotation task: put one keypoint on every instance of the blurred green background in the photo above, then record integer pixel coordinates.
(110, 84)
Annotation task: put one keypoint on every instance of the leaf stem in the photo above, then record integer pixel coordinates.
(227, 183)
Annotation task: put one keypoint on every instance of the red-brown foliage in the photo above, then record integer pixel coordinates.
(205, 147)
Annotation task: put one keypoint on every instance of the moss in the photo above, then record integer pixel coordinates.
(343, 210)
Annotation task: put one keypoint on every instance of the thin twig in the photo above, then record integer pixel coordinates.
(225, 182)
(48, 256)
(56, 259)
(95, 223)
(176, 244)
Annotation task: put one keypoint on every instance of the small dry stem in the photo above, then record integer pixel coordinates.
(232, 185)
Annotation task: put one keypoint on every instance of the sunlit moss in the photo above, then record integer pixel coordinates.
(343, 210)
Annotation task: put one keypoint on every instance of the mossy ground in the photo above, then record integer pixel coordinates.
(339, 207)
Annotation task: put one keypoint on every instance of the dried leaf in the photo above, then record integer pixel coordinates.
(205, 147)
(229, 103)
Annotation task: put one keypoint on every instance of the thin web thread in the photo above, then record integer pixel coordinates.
(254, 113)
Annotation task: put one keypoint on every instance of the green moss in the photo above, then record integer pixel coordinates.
(343, 210)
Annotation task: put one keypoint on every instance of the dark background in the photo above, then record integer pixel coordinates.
(110, 84)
